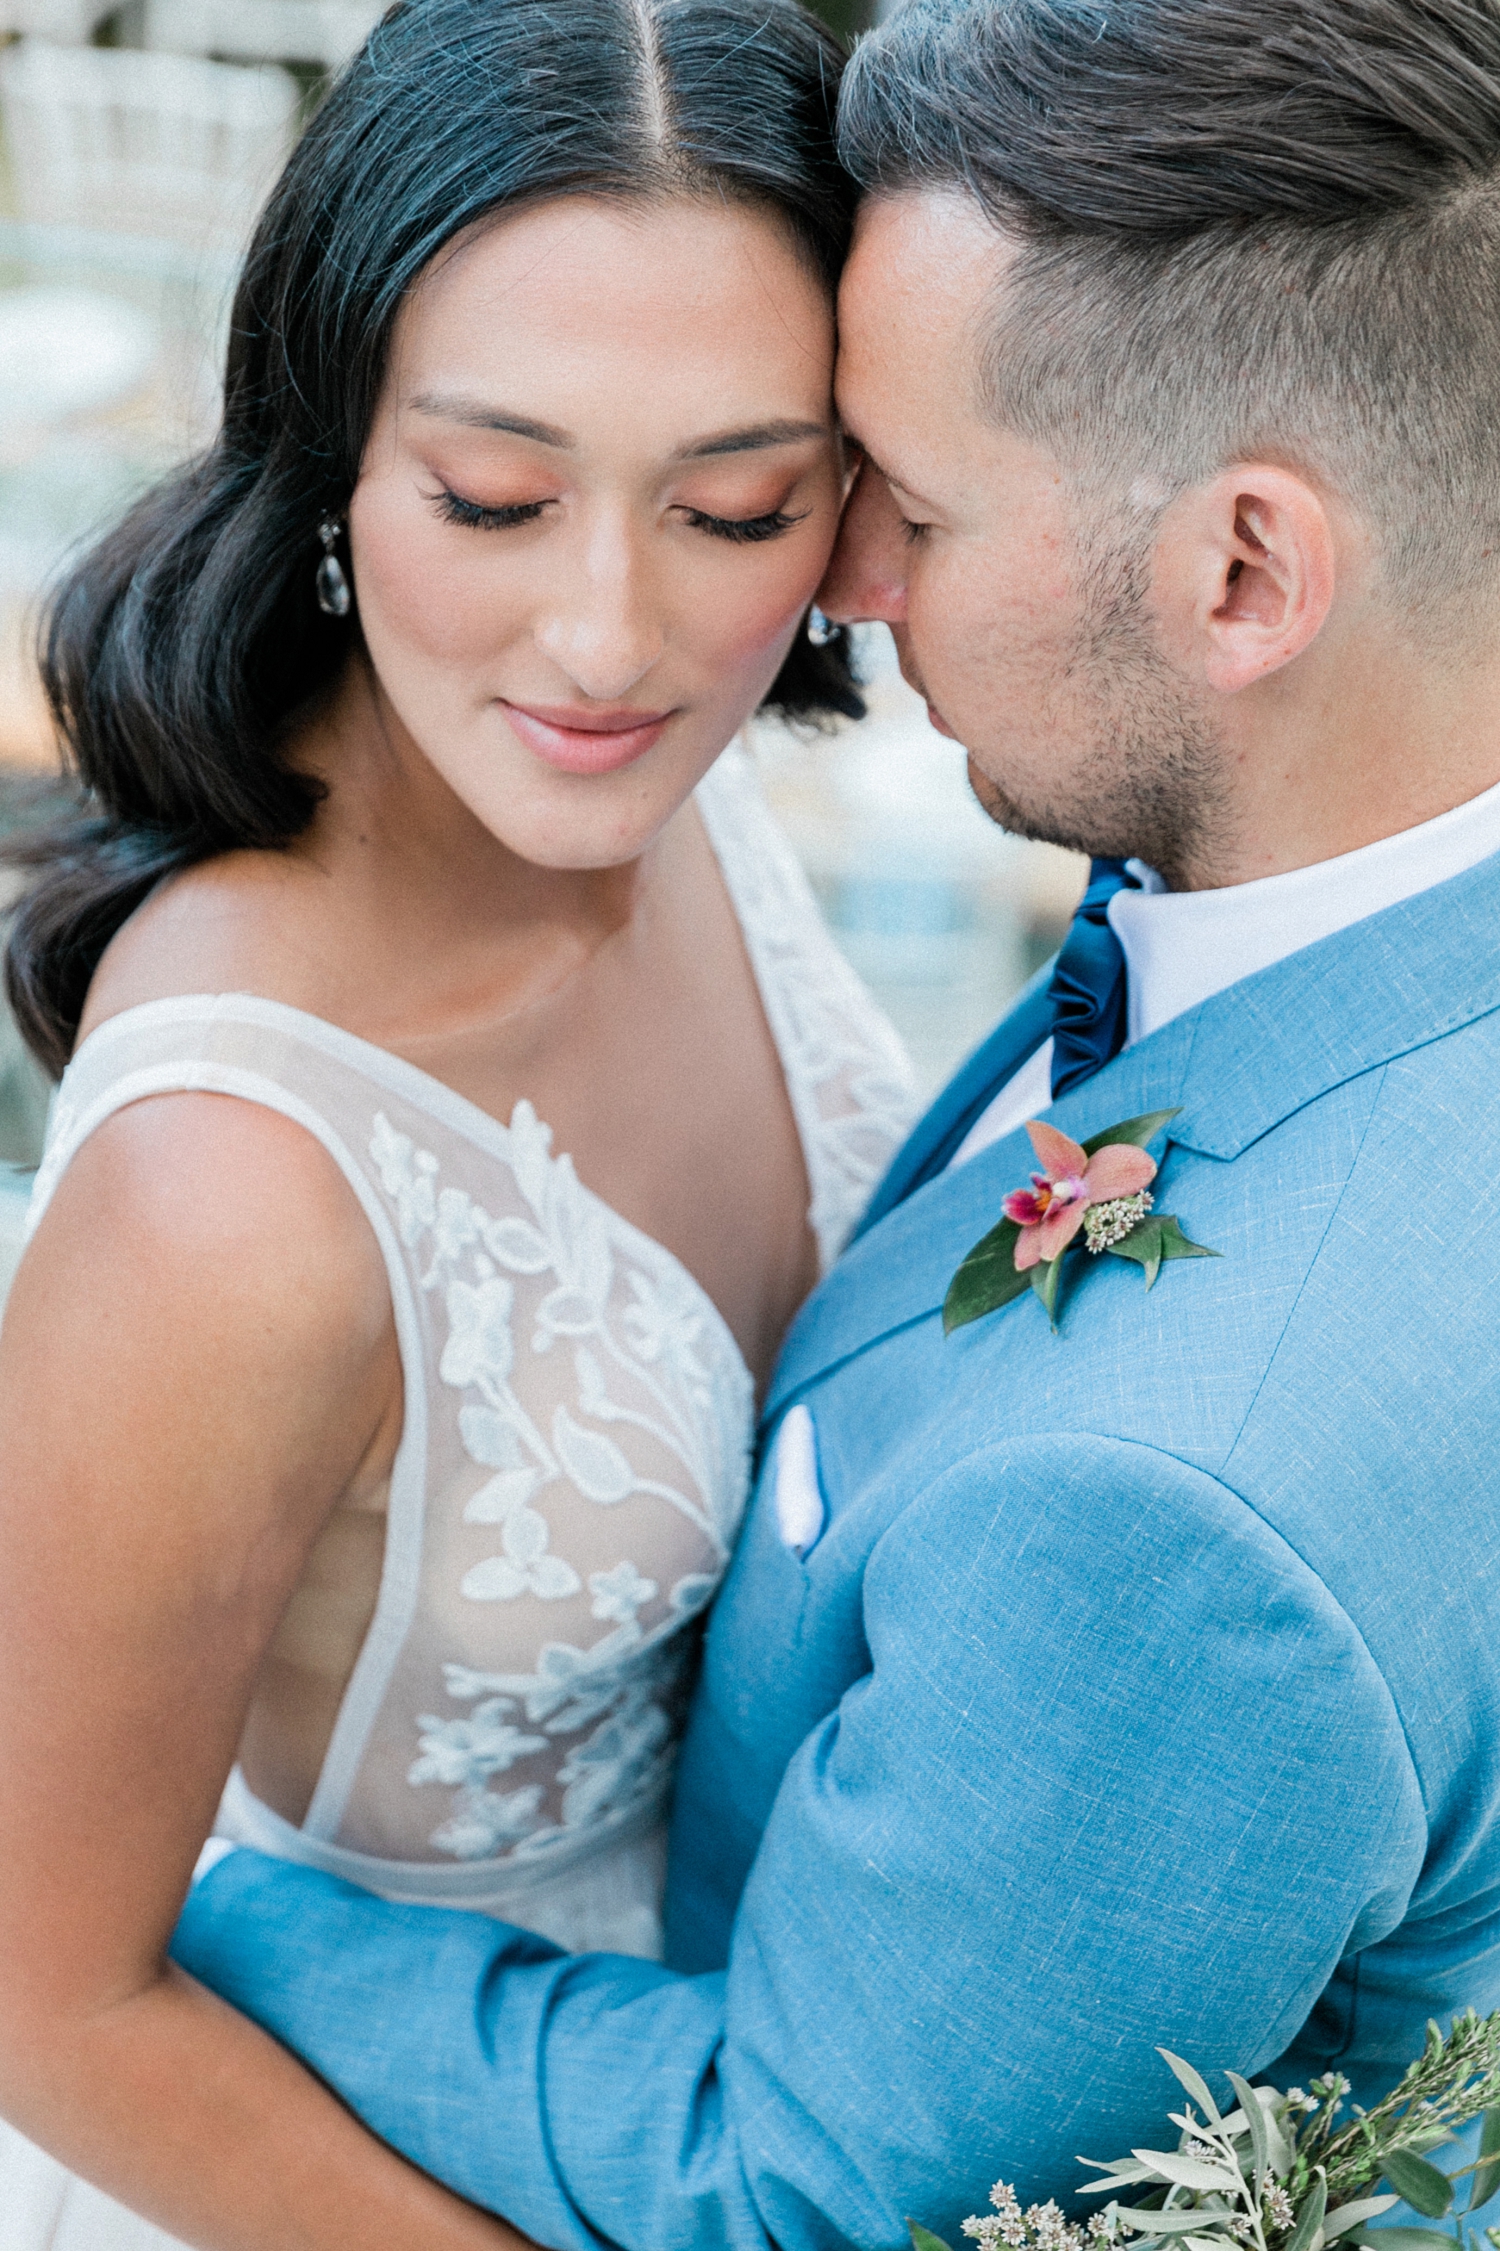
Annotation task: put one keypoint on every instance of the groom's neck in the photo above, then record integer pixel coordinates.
(1369, 734)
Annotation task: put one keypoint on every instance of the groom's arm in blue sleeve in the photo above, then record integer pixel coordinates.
(1128, 1778)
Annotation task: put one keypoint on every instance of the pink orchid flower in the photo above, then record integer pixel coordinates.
(1050, 1212)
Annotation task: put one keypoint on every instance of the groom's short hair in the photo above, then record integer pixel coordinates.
(1248, 228)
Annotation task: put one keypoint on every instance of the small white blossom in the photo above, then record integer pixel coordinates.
(479, 1349)
(620, 1593)
(1278, 2205)
(666, 1323)
(1040, 2228)
(465, 1753)
(485, 1823)
(1109, 1223)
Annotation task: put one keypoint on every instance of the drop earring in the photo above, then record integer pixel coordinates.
(334, 598)
(820, 630)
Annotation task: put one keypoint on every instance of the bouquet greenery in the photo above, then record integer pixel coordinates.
(1287, 2172)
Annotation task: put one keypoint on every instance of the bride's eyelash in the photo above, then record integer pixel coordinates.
(454, 509)
(743, 528)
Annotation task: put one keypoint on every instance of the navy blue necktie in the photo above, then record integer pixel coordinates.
(1087, 990)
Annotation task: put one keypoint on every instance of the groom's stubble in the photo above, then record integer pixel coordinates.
(1021, 587)
(1145, 769)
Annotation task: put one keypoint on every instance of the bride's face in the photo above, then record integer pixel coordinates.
(600, 489)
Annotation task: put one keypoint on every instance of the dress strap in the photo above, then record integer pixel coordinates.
(254, 1050)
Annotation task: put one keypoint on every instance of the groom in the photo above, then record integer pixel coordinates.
(1140, 1683)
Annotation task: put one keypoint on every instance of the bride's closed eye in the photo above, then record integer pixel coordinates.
(744, 528)
(454, 509)
(476, 516)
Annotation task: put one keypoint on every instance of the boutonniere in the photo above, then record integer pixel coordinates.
(1091, 1196)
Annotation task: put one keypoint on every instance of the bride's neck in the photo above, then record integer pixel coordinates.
(392, 825)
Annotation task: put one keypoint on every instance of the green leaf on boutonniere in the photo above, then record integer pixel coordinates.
(923, 2239)
(1156, 1239)
(986, 1280)
(1046, 1279)
(1136, 1131)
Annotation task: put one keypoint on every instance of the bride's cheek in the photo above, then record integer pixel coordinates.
(748, 624)
(426, 590)
(424, 605)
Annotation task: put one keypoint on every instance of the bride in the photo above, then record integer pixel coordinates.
(461, 1092)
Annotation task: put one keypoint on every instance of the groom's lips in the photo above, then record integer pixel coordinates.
(576, 740)
(914, 680)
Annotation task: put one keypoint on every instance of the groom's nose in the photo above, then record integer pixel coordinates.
(866, 574)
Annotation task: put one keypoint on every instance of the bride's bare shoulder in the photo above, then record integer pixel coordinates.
(202, 1185)
(190, 1165)
(245, 922)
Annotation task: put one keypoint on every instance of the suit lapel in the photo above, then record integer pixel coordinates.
(936, 1138)
(899, 1271)
(1237, 1066)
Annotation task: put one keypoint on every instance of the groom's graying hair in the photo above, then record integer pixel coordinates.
(1248, 229)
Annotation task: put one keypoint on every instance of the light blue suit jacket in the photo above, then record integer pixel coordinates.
(1143, 1688)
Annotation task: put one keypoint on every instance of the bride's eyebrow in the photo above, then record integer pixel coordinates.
(755, 439)
(475, 415)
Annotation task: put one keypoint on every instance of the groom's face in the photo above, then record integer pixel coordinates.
(966, 540)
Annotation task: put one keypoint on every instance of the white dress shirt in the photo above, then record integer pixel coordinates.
(1182, 946)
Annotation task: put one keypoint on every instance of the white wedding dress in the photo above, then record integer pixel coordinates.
(573, 1464)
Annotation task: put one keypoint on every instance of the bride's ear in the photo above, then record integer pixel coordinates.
(1245, 574)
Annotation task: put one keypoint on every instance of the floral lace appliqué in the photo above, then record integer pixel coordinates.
(635, 1329)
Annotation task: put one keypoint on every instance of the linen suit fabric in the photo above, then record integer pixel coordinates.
(1142, 1688)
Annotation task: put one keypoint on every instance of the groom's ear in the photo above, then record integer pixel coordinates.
(1245, 574)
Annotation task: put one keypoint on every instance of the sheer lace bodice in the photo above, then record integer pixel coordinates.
(573, 1463)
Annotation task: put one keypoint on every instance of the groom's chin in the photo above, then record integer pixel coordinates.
(1036, 827)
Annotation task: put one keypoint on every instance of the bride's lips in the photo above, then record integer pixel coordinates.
(579, 741)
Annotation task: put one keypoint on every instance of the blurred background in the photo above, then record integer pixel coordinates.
(136, 144)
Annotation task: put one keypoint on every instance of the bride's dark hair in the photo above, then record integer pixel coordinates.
(178, 650)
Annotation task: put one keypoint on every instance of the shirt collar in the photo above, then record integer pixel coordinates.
(1182, 946)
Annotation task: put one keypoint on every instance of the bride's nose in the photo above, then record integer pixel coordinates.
(604, 624)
